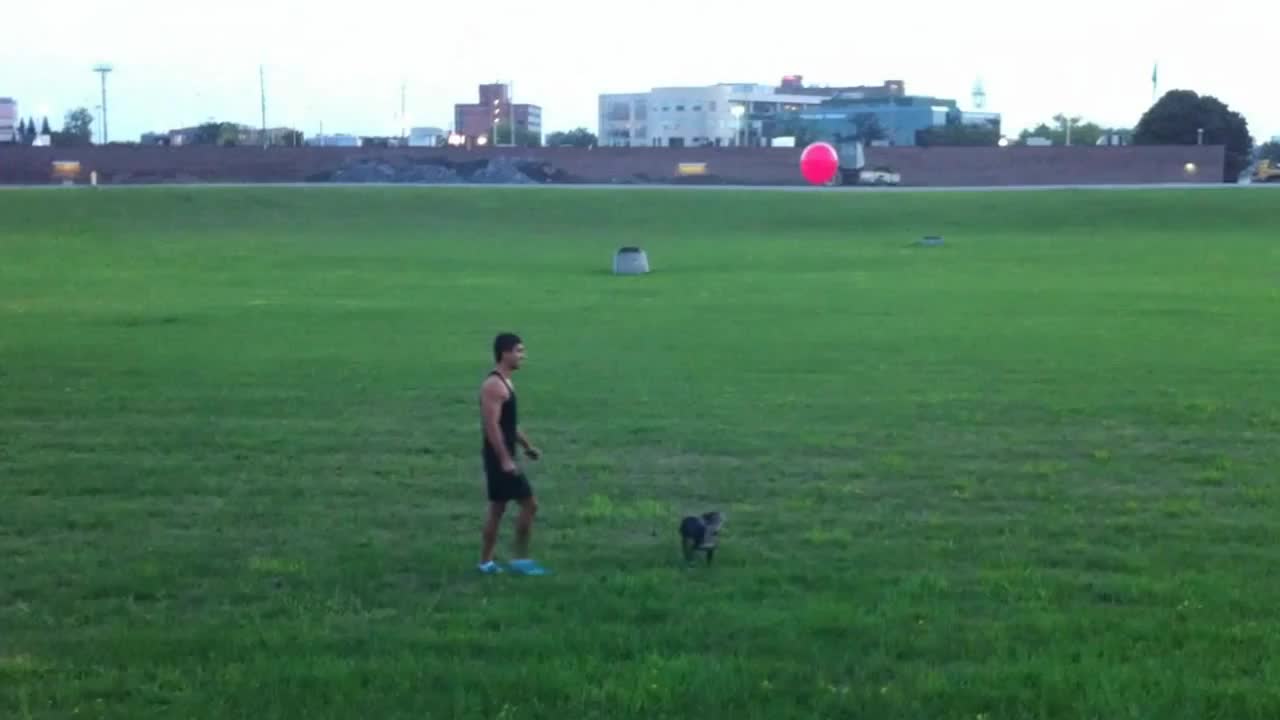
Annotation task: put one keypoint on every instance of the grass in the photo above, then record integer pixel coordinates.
(1028, 474)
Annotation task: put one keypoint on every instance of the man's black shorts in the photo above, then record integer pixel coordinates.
(505, 487)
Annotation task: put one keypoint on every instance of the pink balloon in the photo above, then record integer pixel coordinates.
(819, 163)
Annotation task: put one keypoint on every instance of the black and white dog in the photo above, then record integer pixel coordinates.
(701, 532)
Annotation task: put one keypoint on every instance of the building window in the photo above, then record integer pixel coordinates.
(711, 106)
(679, 108)
(696, 108)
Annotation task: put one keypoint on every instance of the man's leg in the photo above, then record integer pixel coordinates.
(522, 493)
(492, 521)
(524, 526)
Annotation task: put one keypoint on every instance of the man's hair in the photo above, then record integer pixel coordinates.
(503, 344)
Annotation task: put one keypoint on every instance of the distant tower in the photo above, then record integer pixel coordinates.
(979, 95)
(103, 70)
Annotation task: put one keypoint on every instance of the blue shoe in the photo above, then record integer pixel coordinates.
(527, 567)
(489, 568)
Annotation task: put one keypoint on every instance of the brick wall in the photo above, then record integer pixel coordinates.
(919, 166)
(943, 166)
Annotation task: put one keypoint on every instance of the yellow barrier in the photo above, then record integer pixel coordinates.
(684, 169)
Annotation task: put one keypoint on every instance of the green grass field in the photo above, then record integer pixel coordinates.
(1029, 474)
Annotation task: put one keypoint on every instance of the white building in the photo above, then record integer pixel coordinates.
(8, 120)
(340, 140)
(692, 116)
(426, 137)
(973, 117)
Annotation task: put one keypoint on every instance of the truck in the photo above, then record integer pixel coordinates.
(1266, 171)
(854, 170)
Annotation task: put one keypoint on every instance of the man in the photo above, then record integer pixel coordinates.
(505, 480)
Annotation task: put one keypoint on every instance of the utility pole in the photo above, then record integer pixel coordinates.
(262, 87)
(404, 128)
(103, 70)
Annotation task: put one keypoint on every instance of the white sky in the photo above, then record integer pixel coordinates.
(180, 64)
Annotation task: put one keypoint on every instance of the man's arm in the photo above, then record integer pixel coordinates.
(492, 395)
(529, 449)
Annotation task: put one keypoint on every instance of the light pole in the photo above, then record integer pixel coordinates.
(262, 89)
(103, 70)
(1067, 124)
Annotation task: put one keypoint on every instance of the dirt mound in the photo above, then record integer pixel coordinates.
(437, 171)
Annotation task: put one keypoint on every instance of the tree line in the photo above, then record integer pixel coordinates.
(1180, 117)
(77, 129)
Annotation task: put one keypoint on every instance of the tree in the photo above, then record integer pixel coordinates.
(578, 137)
(206, 134)
(1270, 151)
(959, 134)
(77, 129)
(866, 128)
(44, 127)
(1081, 133)
(222, 134)
(789, 125)
(78, 125)
(523, 136)
(1179, 116)
(528, 138)
(1040, 131)
(228, 134)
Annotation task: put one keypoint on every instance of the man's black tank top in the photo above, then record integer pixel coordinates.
(506, 421)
